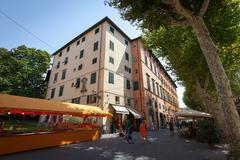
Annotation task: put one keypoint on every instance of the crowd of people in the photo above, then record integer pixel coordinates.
(126, 127)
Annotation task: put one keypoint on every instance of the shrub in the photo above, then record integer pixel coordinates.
(207, 132)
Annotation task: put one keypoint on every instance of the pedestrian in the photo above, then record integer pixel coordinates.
(171, 127)
(113, 126)
(152, 126)
(119, 124)
(143, 130)
(129, 127)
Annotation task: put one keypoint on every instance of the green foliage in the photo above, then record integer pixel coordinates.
(21, 71)
(179, 45)
(191, 99)
(207, 132)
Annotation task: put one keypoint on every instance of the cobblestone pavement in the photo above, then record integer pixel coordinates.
(159, 146)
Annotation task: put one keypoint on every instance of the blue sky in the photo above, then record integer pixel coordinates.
(55, 22)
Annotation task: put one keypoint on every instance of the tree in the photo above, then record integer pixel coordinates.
(152, 14)
(184, 56)
(22, 70)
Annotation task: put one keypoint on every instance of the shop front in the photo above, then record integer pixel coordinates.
(50, 134)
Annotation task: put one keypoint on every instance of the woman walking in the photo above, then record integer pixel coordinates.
(143, 130)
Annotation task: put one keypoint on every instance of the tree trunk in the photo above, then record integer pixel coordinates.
(211, 53)
(216, 110)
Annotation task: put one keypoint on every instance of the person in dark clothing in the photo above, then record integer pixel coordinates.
(171, 127)
(129, 126)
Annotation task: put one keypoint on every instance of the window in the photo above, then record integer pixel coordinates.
(117, 99)
(161, 92)
(77, 84)
(155, 70)
(135, 85)
(66, 60)
(126, 56)
(64, 74)
(68, 48)
(158, 93)
(110, 78)
(61, 88)
(111, 60)
(148, 82)
(136, 71)
(126, 42)
(151, 65)
(60, 54)
(111, 29)
(80, 67)
(55, 77)
(83, 39)
(95, 46)
(94, 60)
(96, 30)
(52, 93)
(78, 42)
(76, 100)
(146, 60)
(111, 45)
(128, 84)
(58, 64)
(91, 99)
(81, 54)
(129, 102)
(84, 84)
(153, 85)
(93, 78)
(127, 69)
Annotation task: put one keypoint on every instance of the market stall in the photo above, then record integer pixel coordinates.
(186, 120)
(62, 132)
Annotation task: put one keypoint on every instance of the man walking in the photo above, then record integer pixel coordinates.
(129, 126)
(171, 127)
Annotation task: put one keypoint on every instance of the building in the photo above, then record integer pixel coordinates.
(154, 91)
(98, 68)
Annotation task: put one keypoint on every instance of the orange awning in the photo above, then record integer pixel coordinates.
(17, 104)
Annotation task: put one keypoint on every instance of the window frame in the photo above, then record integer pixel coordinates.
(94, 60)
(95, 46)
(110, 78)
(61, 90)
(93, 78)
(52, 93)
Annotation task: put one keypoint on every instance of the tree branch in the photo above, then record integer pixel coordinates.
(183, 23)
(181, 10)
(204, 8)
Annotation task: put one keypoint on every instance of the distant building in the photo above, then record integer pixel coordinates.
(103, 67)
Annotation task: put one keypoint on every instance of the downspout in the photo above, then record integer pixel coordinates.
(99, 66)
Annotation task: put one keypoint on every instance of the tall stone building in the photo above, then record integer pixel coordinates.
(103, 67)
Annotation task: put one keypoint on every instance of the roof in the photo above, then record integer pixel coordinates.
(193, 113)
(90, 29)
(18, 104)
(106, 19)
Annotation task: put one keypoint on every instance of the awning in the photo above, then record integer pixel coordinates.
(192, 113)
(25, 105)
(135, 113)
(120, 109)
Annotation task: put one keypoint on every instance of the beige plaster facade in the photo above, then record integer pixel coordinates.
(102, 50)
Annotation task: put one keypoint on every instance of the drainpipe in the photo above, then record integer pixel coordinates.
(99, 66)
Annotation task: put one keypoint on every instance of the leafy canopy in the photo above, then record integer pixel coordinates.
(22, 70)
